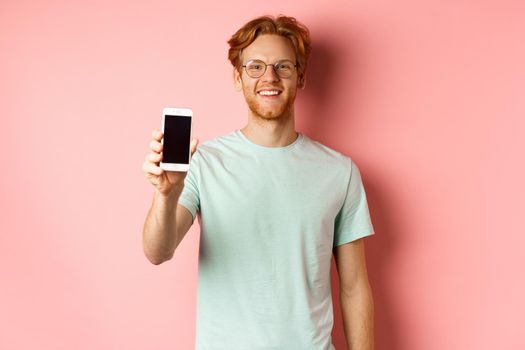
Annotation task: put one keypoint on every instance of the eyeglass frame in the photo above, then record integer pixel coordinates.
(295, 65)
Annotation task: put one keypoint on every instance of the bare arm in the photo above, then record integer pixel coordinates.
(166, 222)
(356, 296)
(166, 225)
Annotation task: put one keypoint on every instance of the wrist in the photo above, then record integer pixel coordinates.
(171, 196)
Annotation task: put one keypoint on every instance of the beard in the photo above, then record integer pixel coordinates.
(260, 110)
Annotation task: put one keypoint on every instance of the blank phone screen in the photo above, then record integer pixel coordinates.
(177, 130)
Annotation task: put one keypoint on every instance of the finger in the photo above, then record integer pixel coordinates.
(146, 169)
(157, 134)
(155, 146)
(154, 157)
(194, 143)
(152, 169)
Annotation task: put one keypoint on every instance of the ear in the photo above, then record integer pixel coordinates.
(237, 81)
(301, 83)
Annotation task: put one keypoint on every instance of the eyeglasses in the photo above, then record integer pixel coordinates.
(257, 68)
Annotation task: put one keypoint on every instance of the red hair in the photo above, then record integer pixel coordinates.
(287, 27)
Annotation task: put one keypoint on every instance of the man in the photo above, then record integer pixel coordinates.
(273, 205)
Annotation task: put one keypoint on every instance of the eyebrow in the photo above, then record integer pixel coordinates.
(278, 60)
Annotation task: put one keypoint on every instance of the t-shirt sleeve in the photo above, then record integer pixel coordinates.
(189, 198)
(353, 220)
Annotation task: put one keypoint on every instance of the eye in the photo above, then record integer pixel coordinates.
(284, 66)
(255, 66)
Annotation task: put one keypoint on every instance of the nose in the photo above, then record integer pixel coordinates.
(270, 74)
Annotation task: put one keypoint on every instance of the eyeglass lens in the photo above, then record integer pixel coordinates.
(257, 68)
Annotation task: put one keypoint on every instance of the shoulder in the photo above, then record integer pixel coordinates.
(327, 155)
(216, 147)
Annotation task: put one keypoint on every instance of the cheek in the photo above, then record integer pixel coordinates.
(249, 88)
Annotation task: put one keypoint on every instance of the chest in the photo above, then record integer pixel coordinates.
(263, 190)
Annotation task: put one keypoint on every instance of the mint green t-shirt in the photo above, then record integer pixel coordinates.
(270, 218)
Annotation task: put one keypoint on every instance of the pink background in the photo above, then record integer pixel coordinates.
(427, 98)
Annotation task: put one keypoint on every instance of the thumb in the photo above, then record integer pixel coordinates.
(193, 145)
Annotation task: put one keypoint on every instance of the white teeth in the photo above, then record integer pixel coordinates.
(269, 93)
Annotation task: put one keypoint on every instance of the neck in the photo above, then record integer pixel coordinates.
(274, 132)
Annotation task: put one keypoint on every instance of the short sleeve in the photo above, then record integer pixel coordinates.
(189, 198)
(353, 220)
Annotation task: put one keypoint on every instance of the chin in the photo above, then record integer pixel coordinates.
(270, 114)
(281, 114)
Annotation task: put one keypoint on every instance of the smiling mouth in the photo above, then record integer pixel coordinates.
(269, 92)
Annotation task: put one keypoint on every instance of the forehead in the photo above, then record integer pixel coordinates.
(269, 48)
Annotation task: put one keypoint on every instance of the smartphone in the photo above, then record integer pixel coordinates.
(176, 126)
